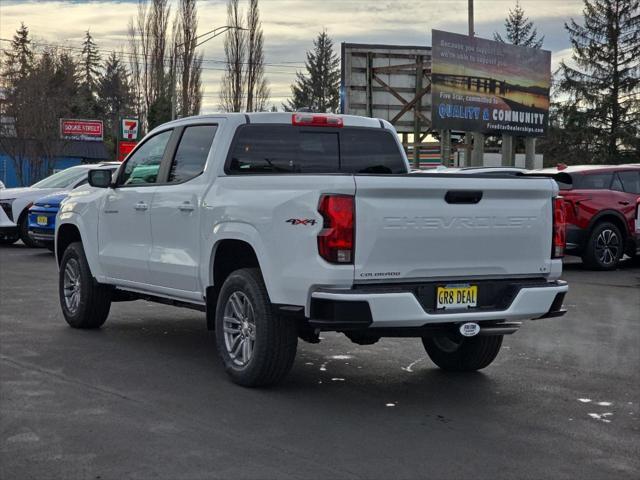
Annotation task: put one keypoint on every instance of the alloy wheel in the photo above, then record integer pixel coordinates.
(72, 285)
(607, 247)
(239, 328)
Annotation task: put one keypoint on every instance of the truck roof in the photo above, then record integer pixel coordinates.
(285, 117)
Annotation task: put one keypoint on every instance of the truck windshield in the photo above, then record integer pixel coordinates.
(287, 149)
(64, 179)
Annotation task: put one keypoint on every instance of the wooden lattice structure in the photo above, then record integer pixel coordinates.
(392, 82)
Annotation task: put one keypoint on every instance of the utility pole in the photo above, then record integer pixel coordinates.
(467, 136)
(477, 155)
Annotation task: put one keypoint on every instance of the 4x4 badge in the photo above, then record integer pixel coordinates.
(301, 221)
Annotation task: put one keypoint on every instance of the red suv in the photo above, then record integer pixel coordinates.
(601, 211)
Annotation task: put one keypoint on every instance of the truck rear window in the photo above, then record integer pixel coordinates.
(288, 149)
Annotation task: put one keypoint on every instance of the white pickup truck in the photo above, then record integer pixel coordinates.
(281, 226)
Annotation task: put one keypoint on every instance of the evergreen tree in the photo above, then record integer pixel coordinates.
(90, 75)
(18, 60)
(520, 30)
(603, 84)
(319, 89)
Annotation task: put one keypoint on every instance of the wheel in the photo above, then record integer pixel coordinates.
(8, 239)
(23, 232)
(605, 247)
(457, 353)
(85, 303)
(256, 345)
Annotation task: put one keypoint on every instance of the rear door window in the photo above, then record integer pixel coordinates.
(370, 151)
(630, 181)
(191, 155)
(286, 149)
(593, 181)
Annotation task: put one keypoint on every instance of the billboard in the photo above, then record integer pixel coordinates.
(72, 129)
(485, 86)
(387, 81)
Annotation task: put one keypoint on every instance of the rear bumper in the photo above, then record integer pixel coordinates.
(351, 309)
(576, 239)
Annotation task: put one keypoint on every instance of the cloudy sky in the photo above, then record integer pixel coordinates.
(290, 26)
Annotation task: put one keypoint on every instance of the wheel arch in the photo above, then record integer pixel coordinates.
(70, 228)
(610, 216)
(67, 234)
(227, 255)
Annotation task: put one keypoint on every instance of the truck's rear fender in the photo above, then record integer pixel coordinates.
(278, 216)
(244, 238)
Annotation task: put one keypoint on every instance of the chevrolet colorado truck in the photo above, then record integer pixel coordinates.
(280, 226)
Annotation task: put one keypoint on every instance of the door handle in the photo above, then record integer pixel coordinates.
(186, 207)
(468, 197)
(141, 206)
(623, 203)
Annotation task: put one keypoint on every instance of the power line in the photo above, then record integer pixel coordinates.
(284, 64)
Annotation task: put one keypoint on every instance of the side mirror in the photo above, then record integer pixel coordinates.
(100, 178)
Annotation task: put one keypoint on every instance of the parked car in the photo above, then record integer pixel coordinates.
(42, 218)
(281, 226)
(42, 215)
(15, 202)
(601, 204)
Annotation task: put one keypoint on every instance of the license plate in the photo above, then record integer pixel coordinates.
(456, 296)
(42, 220)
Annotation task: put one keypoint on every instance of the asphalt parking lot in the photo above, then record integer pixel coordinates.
(146, 397)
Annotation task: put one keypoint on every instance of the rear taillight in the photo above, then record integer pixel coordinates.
(559, 228)
(316, 120)
(336, 239)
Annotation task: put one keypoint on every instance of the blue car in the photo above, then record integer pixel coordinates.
(42, 218)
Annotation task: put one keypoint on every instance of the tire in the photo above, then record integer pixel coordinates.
(23, 232)
(84, 302)
(604, 248)
(245, 317)
(460, 354)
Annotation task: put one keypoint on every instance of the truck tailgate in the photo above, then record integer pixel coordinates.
(446, 226)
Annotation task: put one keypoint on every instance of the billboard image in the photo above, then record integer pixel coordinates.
(92, 130)
(485, 86)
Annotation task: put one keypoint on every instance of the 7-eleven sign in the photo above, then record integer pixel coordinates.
(129, 129)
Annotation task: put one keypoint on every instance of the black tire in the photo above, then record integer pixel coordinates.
(604, 248)
(23, 232)
(272, 339)
(93, 301)
(460, 354)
